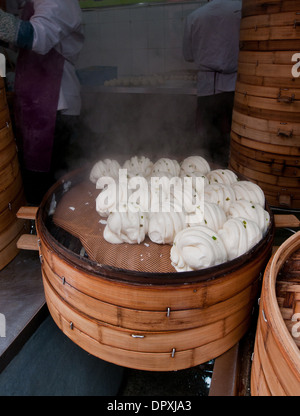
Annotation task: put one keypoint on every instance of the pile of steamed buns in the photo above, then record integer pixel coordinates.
(234, 217)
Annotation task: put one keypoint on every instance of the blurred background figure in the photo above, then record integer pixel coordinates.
(48, 35)
(211, 41)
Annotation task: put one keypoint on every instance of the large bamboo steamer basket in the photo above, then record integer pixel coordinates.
(11, 188)
(276, 360)
(148, 321)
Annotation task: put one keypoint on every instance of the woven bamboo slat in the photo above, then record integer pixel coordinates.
(270, 45)
(267, 108)
(266, 81)
(3, 101)
(8, 215)
(283, 137)
(147, 321)
(259, 7)
(7, 155)
(4, 118)
(266, 21)
(280, 128)
(277, 93)
(257, 57)
(276, 362)
(9, 194)
(8, 242)
(270, 33)
(263, 146)
(270, 70)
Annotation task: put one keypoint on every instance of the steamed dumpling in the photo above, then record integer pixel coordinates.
(126, 227)
(249, 191)
(163, 226)
(239, 235)
(138, 166)
(254, 212)
(166, 166)
(162, 190)
(220, 194)
(196, 248)
(225, 176)
(106, 167)
(214, 216)
(194, 166)
(112, 198)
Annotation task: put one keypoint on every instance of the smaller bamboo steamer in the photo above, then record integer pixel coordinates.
(11, 187)
(276, 361)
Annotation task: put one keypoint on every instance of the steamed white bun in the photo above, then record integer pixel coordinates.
(138, 166)
(254, 212)
(106, 167)
(166, 167)
(225, 176)
(249, 191)
(239, 235)
(126, 227)
(196, 248)
(220, 194)
(194, 166)
(112, 198)
(214, 216)
(163, 226)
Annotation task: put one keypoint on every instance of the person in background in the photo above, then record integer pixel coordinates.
(211, 41)
(49, 37)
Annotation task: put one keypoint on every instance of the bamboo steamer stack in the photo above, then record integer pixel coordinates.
(276, 360)
(265, 133)
(11, 187)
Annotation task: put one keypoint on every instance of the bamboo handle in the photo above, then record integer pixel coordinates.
(296, 23)
(286, 98)
(285, 133)
(27, 213)
(289, 220)
(28, 242)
